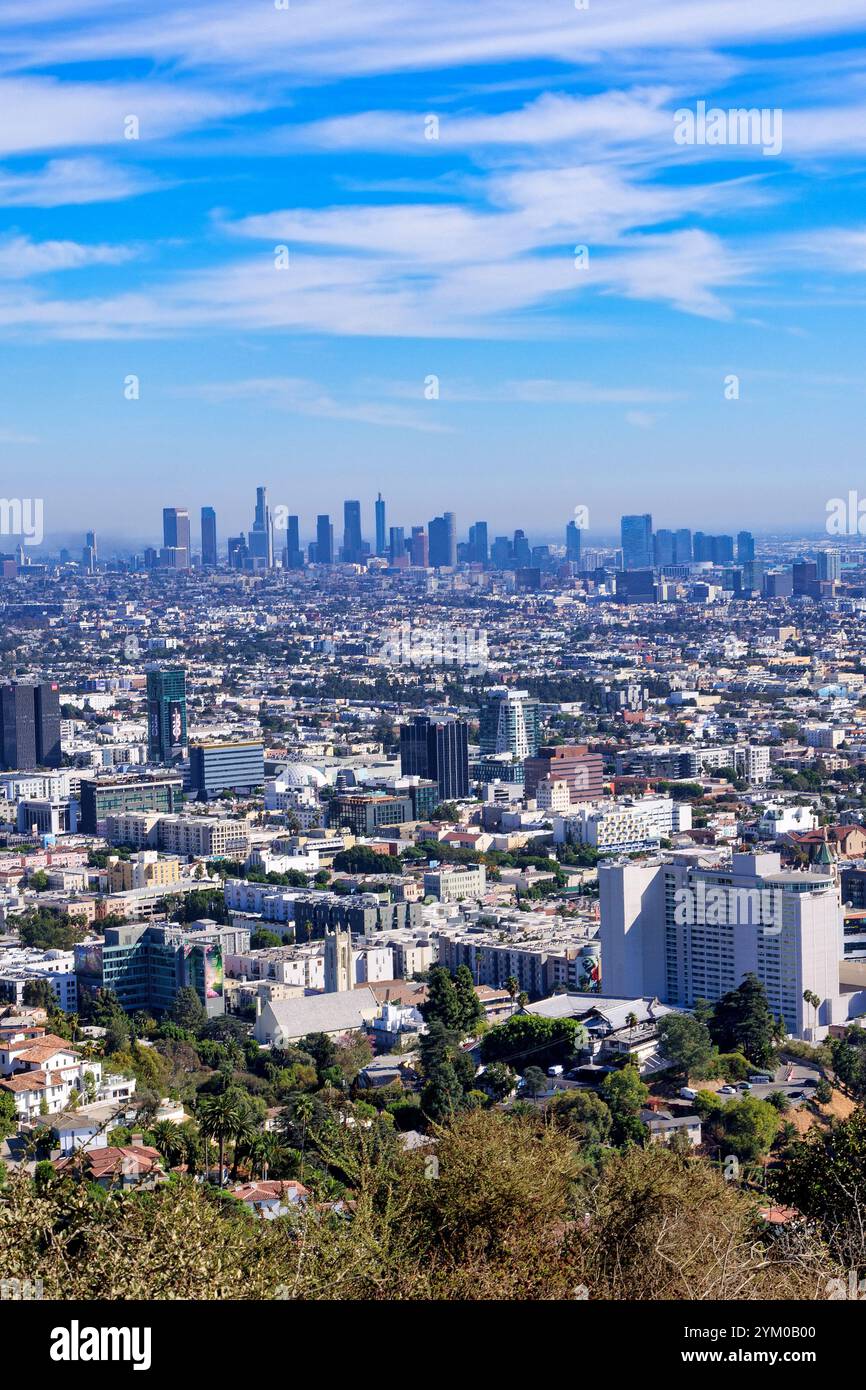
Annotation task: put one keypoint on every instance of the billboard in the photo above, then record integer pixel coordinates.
(175, 725)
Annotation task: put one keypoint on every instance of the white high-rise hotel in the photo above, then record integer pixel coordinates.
(689, 926)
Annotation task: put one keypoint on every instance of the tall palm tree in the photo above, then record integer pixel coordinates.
(265, 1152)
(169, 1141)
(219, 1117)
(811, 998)
(512, 984)
(244, 1135)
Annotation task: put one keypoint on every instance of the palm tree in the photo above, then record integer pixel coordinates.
(631, 1024)
(265, 1152)
(512, 984)
(170, 1142)
(244, 1135)
(811, 998)
(219, 1118)
(301, 1112)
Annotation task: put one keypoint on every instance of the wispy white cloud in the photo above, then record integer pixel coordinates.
(21, 258)
(53, 115)
(300, 396)
(62, 182)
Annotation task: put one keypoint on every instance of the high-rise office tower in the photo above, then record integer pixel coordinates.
(89, 553)
(30, 725)
(683, 546)
(636, 538)
(521, 550)
(420, 554)
(509, 723)
(208, 538)
(166, 714)
(353, 551)
(804, 577)
(439, 750)
(479, 550)
(380, 525)
(437, 532)
(829, 564)
(501, 553)
(745, 547)
(294, 554)
(324, 540)
(238, 552)
(175, 537)
(261, 538)
(685, 929)
(47, 700)
(572, 542)
(663, 548)
(397, 546)
(722, 550)
(451, 537)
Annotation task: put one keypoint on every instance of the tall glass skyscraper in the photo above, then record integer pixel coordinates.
(324, 540)
(636, 538)
(208, 537)
(509, 723)
(439, 750)
(166, 714)
(353, 545)
(175, 537)
(380, 525)
(261, 538)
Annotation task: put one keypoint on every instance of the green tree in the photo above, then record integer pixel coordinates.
(849, 1061)
(742, 1021)
(584, 1115)
(686, 1042)
(262, 938)
(497, 1080)
(219, 1119)
(443, 1002)
(8, 1114)
(188, 1011)
(471, 1011)
(534, 1081)
(38, 994)
(532, 1039)
(624, 1093)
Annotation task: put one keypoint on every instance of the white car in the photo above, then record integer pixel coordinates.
(727, 1090)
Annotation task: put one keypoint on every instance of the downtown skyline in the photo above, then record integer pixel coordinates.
(250, 218)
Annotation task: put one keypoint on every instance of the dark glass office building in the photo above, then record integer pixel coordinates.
(30, 725)
(166, 715)
(208, 537)
(438, 750)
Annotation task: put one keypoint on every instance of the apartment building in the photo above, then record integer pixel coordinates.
(690, 925)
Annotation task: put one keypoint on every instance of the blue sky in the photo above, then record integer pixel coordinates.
(412, 257)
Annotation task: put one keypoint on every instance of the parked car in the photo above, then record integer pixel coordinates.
(555, 1071)
(744, 1086)
(687, 1093)
(727, 1090)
